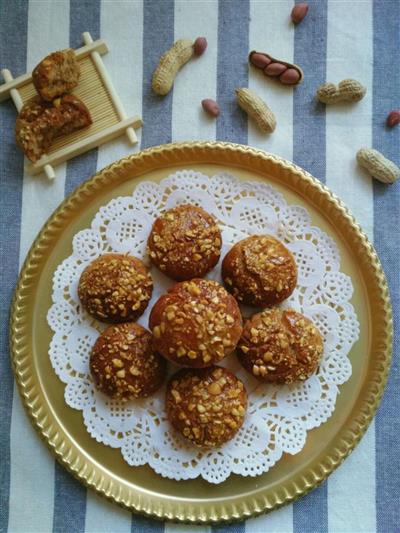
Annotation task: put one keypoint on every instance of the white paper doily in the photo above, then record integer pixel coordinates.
(278, 416)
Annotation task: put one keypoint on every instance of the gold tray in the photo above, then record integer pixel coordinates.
(140, 488)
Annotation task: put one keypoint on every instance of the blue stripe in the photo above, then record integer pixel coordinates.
(309, 121)
(84, 16)
(69, 494)
(240, 527)
(232, 73)
(69, 503)
(14, 21)
(386, 91)
(158, 36)
(142, 524)
(309, 151)
(232, 68)
(310, 514)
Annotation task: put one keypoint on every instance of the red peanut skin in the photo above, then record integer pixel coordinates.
(200, 46)
(286, 73)
(260, 60)
(211, 107)
(290, 76)
(275, 69)
(299, 12)
(393, 118)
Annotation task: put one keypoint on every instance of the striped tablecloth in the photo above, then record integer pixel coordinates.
(337, 40)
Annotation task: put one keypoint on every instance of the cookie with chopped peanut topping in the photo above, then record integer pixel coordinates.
(185, 242)
(259, 271)
(40, 122)
(115, 288)
(207, 406)
(197, 323)
(280, 346)
(123, 363)
(57, 74)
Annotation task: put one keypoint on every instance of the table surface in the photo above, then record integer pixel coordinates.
(337, 40)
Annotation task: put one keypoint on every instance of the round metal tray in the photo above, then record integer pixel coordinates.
(139, 488)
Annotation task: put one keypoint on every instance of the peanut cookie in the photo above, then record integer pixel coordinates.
(115, 288)
(280, 346)
(197, 323)
(207, 406)
(56, 74)
(185, 242)
(40, 122)
(259, 271)
(123, 363)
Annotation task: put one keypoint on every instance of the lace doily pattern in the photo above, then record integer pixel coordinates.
(278, 416)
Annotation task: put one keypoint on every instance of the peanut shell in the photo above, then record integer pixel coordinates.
(378, 165)
(348, 90)
(257, 109)
(169, 65)
(268, 66)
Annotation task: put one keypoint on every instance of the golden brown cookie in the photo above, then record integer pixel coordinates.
(259, 271)
(280, 346)
(123, 363)
(115, 288)
(39, 122)
(57, 74)
(185, 242)
(197, 323)
(207, 406)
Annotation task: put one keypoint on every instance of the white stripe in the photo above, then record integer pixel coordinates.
(348, 127)
(122, 29)
(271, 32)
(197, 80)
(103, 516)
(32, 466)
(351, 491)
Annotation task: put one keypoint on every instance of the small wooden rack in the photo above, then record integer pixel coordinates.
(96, 90)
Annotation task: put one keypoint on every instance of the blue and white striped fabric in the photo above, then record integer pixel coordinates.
(338, 39)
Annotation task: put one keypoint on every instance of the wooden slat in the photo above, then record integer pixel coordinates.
(81, 53)
(97, 93)
(94, 95)
(108, 84)
(72, 150)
